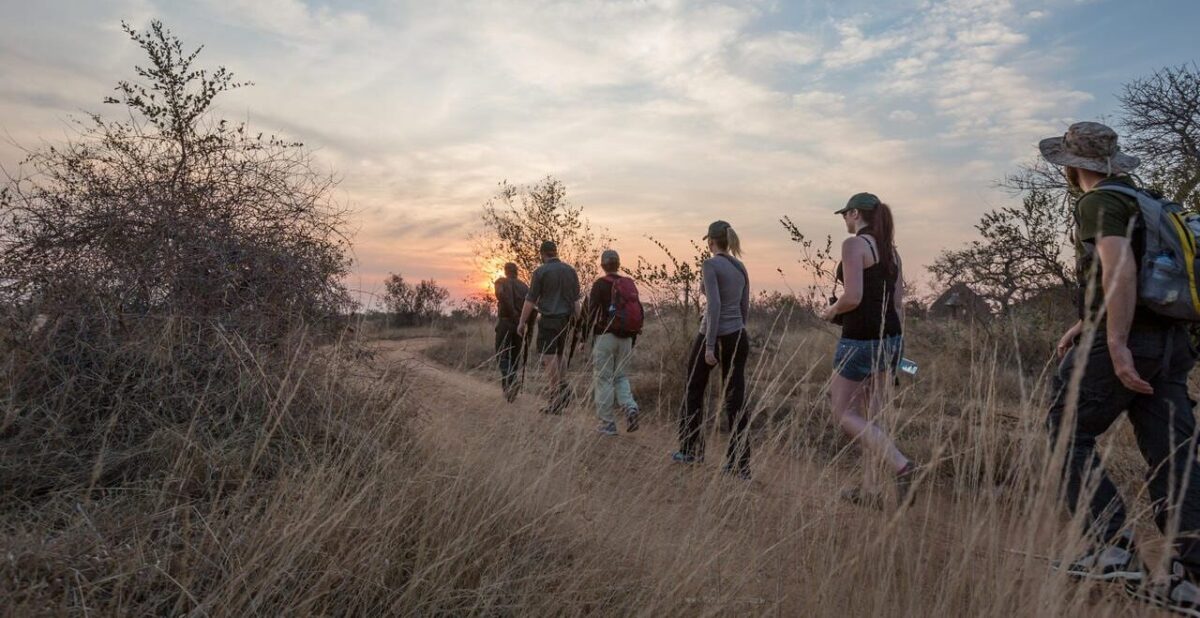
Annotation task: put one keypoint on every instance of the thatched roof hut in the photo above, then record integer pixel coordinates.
(959, 302)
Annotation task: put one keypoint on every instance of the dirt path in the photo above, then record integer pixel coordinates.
(739, 541)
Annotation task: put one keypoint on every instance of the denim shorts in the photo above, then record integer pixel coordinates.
(857, 359)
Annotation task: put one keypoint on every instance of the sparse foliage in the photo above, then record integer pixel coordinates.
(1161, 119)
(818, 261)
(1018, 256)
(676, 282)
(518, 218)
(170, 211)
(414, 303)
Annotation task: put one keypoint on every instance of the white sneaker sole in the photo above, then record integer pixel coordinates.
(1140, 593)
(1127, 576)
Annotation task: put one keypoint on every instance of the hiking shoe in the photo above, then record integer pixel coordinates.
(681, 457)
(551, 409)
(607, 429)
(741, 473)
(631, 419)
(1103, 563)
(862, 497)
(1177, 593)
(510, 393)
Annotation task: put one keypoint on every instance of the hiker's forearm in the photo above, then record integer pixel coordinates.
(526, 311)
(1120, 287)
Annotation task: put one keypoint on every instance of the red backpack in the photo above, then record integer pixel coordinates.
(625, 315)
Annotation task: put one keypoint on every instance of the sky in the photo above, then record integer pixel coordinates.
(659, 116)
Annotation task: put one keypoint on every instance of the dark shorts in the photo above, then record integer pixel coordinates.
(857, 359)
(552, 335)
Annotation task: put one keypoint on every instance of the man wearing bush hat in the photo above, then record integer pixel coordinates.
(1129, 359)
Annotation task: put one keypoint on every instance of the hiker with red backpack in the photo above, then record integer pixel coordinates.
(1128, 353)
(615, 316)
(722, 340)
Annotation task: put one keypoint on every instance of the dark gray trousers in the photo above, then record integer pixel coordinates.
(1163, 424)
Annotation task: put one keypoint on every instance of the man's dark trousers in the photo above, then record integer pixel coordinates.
(508, 351)
(1162, 422)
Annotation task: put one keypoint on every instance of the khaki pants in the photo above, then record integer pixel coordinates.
(611, 356)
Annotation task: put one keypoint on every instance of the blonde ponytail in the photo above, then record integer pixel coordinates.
(732, 244)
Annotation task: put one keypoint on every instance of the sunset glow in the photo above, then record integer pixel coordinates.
(658, 116)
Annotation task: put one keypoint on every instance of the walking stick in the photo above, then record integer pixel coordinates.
(525, 348)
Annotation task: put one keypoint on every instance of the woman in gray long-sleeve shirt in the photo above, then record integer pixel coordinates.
(722, 339)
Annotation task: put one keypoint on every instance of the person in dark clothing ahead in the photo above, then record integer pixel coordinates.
(722, 339)
(510, 297)
(554, 294)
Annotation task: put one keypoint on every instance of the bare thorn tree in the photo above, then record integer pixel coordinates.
(1161, 117)
(518, 218)
(676, 282)
(1018, 256)
(173, 212)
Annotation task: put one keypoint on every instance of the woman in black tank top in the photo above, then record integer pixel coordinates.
(870, 313)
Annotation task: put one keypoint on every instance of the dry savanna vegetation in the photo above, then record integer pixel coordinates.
(191, 424)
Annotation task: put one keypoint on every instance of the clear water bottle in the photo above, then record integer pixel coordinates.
(1158, 286)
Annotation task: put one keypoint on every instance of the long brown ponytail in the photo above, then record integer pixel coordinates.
(883, 229)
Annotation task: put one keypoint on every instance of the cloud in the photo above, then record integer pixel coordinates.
(970, 62)
(658, 115)
(855, 48)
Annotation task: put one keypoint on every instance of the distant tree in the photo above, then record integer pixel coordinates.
(1018, 255)
(169, 211)
(676, 282)
(430, 299)
(414, 303)
(518, 218)
(475, 305)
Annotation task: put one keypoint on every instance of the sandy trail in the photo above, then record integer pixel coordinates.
(623, 495)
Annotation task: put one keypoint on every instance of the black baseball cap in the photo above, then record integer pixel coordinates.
(717, 229)
(548, 247)
(860, 201)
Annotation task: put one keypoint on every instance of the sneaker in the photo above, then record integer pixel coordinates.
(740, 473)
(862, 497)
(1177, 593)
(510, 393)
(631, 419)
(681, 457)
(607, 428)
(1104, 563)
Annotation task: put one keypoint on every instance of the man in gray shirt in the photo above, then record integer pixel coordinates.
(554, 293)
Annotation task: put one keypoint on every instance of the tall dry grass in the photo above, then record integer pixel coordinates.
(335, 481)
(976, 541)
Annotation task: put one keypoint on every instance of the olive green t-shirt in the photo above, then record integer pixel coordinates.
(1102, 213)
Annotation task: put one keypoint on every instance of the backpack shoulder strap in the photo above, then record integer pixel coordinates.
(1123, 189)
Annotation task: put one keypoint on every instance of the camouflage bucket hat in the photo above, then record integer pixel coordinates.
(1090, 146)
